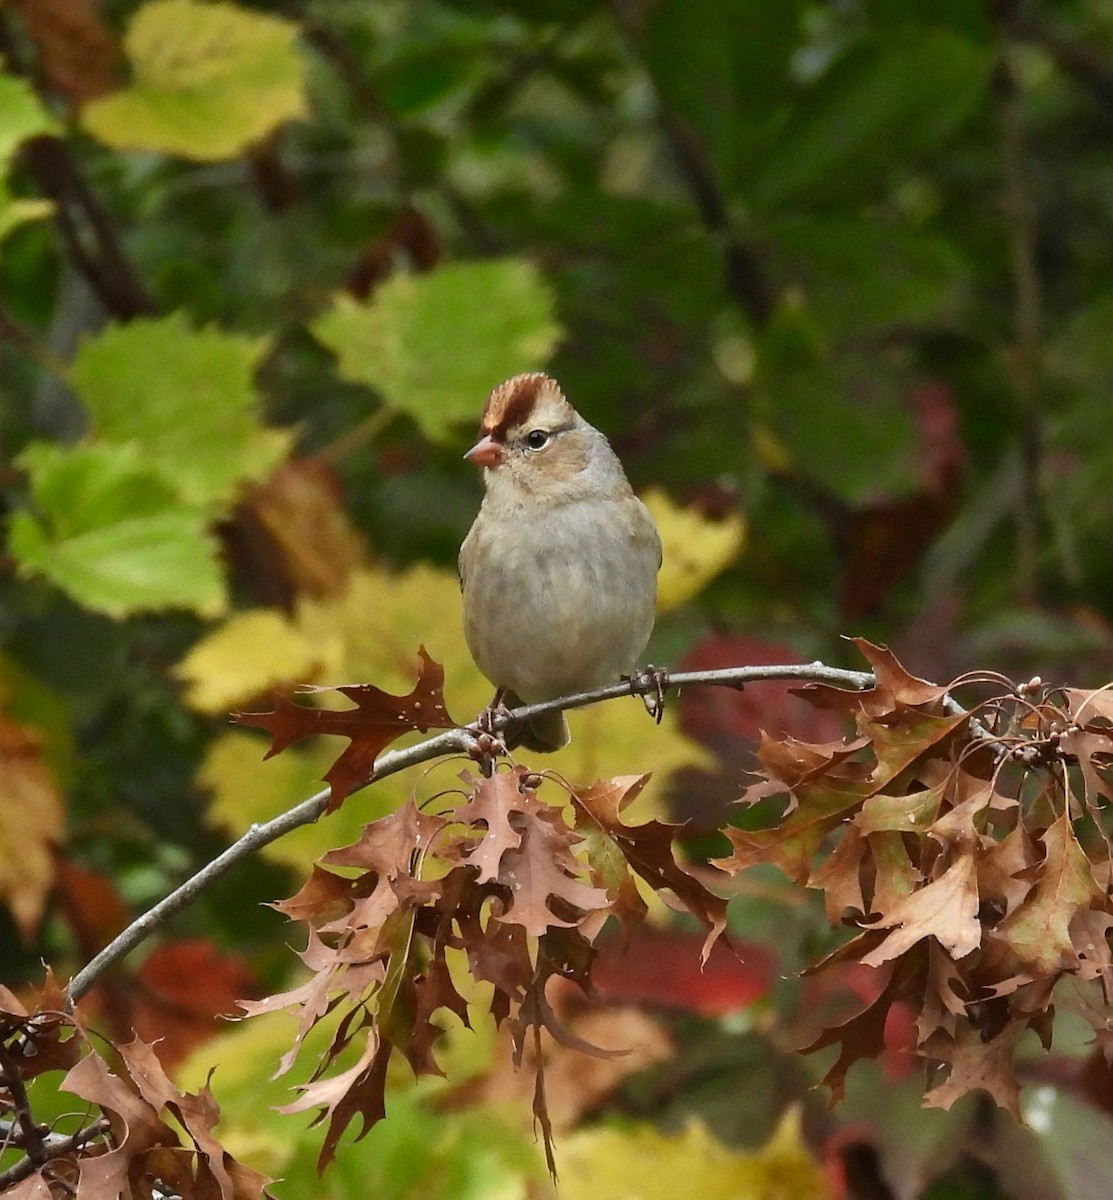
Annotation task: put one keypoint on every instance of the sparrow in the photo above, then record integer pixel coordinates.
(559, 569)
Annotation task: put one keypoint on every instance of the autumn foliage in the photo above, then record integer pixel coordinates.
(523, 887)
(968, 850)
(964, 845)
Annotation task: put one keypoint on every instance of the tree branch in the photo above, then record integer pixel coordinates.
(1027, 323)
(53, 1145)
(454, 741)
(745, 278)
(87, 230)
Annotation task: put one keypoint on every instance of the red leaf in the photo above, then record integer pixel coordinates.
(184, 987)
(662, 968)
(93, 907)
(376, 721)
(722, 717)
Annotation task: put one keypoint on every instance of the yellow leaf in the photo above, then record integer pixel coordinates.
(209, 80)
(642, 1163)
(695, 548)
(619, 736)
(245, 791)
(250, 653)
(373, 632)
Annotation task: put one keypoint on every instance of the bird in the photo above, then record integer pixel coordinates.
(559, 568)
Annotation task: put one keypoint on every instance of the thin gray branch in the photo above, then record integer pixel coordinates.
(52, 1145)
(455, 741)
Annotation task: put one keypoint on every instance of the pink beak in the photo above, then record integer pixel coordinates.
(486, 453)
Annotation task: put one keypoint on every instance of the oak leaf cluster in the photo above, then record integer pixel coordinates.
(967, 849)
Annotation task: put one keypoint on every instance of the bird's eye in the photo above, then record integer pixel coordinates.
(537, 439)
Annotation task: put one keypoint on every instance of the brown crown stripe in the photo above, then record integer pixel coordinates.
(512, 402)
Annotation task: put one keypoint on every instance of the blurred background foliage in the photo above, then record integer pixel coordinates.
(835, 280)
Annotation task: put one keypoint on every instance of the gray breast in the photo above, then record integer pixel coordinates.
(544, 616)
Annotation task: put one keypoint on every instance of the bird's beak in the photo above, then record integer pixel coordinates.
(486, 453)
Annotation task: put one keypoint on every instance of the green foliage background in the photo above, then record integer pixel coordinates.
(842, 268)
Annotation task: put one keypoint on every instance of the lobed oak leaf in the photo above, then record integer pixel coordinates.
(433, 989)
(1038, 930)
(1087, 707)
(894, 686)
(360, 1091)
(648, 848)
(901, 737)
(541, 869)
(894, 876)
(793, 842)
(861, 1035)
(945, 909)
(198, 1115)
(390, 850)
(1093, 750)
(492, 802)
(791, 762)
(323, 897)
(1004, 869)
(1089, 935)
(911, 813)
(958, 825)
(146, 1146)
(943, 1006)
(377, 720)
(977, 1064)
(497, 952)
(332, 977)
(839, 876)
(46, 1025)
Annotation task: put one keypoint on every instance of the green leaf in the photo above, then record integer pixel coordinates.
(209, 80)
(434, 345)
(111, 533)
(185, 398)
(14, 213)
(727, 89)
(861, 275)
(845, 423)
(22, 116)
(878, 107)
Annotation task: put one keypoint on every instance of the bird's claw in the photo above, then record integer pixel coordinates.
(488, 745)
(651, 683)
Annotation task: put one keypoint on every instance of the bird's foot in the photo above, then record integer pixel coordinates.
(651, 683)
(488, 745)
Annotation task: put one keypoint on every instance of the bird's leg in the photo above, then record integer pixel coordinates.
(488, 745)
(656, 679)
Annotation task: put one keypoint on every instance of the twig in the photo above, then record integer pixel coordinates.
(54, 1145)
(1027, 321)
(454, 741)
(85, 224)
(745, 279)
(87, 230)
(25, 1130)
